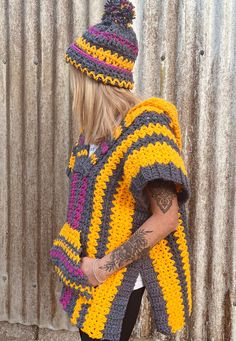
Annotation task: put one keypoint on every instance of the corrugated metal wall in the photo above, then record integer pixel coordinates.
(187, 55)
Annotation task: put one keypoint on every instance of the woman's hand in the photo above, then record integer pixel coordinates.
(87, 268)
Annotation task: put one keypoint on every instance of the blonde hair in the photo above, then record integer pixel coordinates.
(98, 108)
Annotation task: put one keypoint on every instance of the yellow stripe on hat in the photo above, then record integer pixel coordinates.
(104, 55)
(105, 79)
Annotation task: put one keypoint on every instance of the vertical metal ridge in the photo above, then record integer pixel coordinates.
(4, 164)
(24, 165)
(38, 52)
(46, 160)
(16, 206)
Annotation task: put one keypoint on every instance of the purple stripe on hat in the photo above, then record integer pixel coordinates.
(112, 36)
(98, 61)
(66, 297)
(81, 202)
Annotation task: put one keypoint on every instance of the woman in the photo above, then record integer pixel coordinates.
(126, 226)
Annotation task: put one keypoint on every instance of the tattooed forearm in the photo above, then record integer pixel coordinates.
(136, 247)
(162, 195)
(163, 192)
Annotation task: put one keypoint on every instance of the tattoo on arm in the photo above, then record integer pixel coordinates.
(137, 246)
(163, 192)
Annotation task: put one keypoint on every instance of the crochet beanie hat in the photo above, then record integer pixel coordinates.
(107, 51)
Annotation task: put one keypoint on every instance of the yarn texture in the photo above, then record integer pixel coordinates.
(106, 51)
(106, 205)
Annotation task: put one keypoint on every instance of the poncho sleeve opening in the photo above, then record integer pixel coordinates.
(153, 155)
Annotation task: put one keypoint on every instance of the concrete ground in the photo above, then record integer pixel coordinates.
(19, 332)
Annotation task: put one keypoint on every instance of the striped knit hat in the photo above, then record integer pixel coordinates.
(107, 51)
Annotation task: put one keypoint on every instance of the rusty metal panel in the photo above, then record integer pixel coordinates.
(188, 56)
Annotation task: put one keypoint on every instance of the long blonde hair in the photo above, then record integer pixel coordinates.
(98, 108)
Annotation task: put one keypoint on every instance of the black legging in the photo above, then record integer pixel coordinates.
(129, 320)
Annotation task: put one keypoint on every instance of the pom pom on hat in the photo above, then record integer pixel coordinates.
(120, 12)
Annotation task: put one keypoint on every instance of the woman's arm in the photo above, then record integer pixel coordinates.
(164, 219)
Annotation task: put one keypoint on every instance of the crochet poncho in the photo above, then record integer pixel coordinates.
(106, 205)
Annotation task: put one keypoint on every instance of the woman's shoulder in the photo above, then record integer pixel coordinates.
(152, 112)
